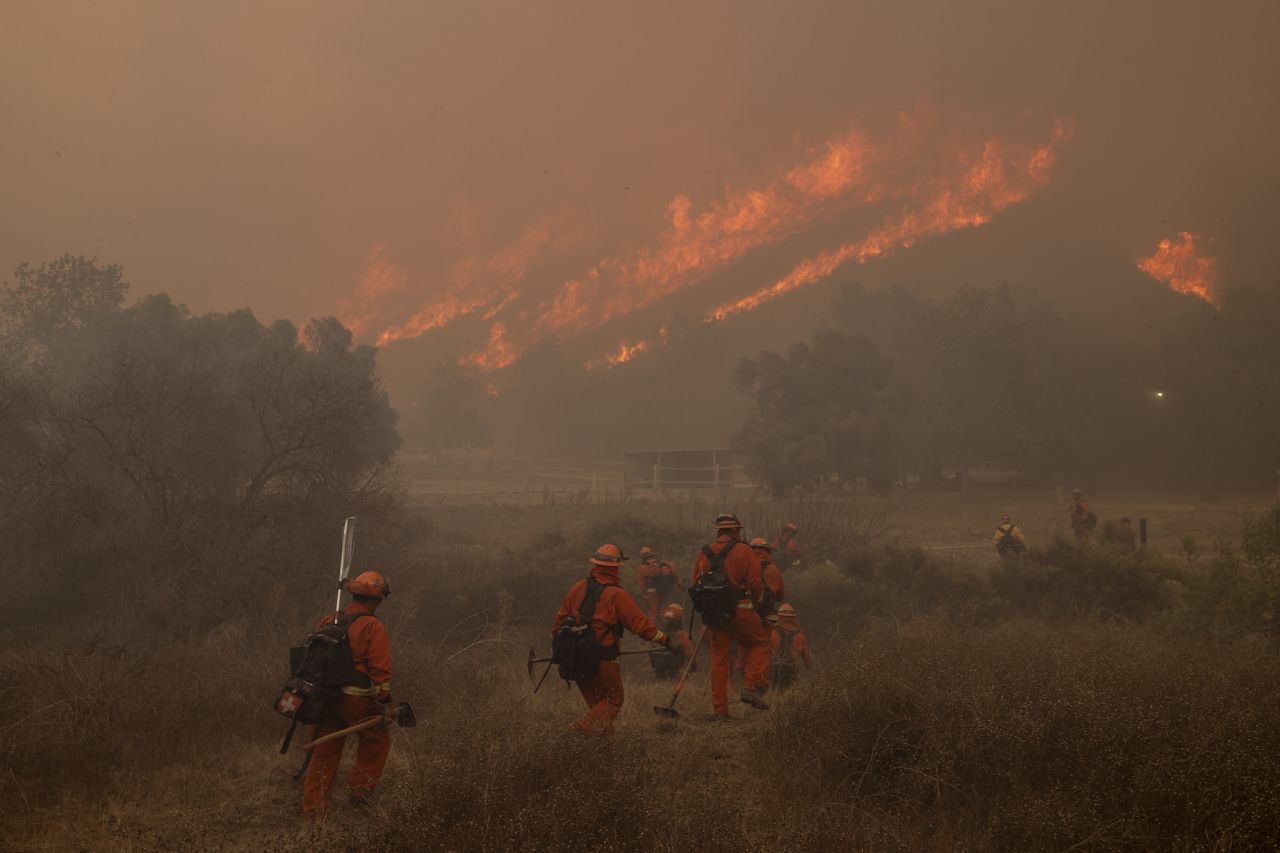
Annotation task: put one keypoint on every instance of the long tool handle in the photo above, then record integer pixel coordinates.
(688, 665)
(363, 725)
(344, 561)
(659, 650)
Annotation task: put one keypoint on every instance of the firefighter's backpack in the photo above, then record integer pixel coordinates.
(713, 596)
(574, 648)
(318, 670)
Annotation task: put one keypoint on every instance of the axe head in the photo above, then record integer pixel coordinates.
(403, 714)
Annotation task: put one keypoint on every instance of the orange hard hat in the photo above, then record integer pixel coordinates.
(786, 611)
(673, 611)
(761, 542)
(608, 555)
(728, 521)
(371, 584)
(791, 525)
(645, 551)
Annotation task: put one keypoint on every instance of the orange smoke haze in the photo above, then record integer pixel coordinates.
(1180, 267)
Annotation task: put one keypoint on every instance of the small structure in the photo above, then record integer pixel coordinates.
(678, 469)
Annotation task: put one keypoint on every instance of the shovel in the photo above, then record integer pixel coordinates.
(669, 711)
(402, 714)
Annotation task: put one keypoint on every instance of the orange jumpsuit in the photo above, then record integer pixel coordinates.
(798, 644)
(789, 544)
(771, 575)
(743, 568)
(371, 653)
(669, 665)
(790, 649)
(657, 580)
(614, 611)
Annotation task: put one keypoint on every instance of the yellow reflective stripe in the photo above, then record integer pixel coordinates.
(659, 637)
(367, 691)
(358, 691)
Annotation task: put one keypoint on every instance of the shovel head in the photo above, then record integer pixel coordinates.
(666, 711)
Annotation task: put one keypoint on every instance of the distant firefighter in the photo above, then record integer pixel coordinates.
(1082, 520)
(1008, 538)
(657, 582)
(667, 665)
(774, 594)
(789, 545)
(790, 649)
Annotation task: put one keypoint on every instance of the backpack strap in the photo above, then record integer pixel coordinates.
(591, 598)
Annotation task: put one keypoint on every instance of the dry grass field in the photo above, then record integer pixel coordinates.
(1069, 703)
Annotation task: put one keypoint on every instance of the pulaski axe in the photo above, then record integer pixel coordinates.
(401, 713)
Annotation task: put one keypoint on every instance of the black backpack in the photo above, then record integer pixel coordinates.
(574, 647)
(714, 597)
(319, 669)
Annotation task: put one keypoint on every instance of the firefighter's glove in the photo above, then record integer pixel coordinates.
(667, 641)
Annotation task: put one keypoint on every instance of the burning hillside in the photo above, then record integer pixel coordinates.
(918, 181)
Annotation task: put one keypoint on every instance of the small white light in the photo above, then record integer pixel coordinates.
(1159, 395)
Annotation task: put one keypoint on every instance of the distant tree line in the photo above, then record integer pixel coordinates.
(193, 455)
(899, 385)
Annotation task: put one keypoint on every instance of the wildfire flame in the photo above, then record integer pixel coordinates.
(1178, 266)
(1001, 177)
(498, 354)
(381, 277)
(622, 355)
(693, 246)
(933, 183)
(477, 283)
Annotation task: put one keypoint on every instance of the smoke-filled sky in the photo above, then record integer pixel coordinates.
(542, 168)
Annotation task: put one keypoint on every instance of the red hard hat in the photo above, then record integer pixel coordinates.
(673, 611)
(371, 584)
(608, 555)
(727, 521)
(786, 611)
(761, 542)
(791, 525)
(646, 551)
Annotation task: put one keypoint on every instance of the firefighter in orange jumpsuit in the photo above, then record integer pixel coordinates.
(1080, 516)
(742, 567)
(667, 666)
(614, 610)
(657, 581)
(371, 654)
(790, 648)
(775, 593)
(789, 544)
